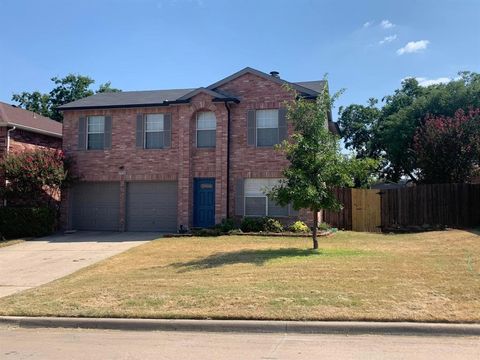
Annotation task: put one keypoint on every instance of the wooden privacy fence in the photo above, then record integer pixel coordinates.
(372, 210)
(361, 210)
(453, 205)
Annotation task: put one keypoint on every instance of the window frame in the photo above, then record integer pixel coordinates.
(197, 130)
(145, 131)
(88, 132)
(264, 196)
(257, 128)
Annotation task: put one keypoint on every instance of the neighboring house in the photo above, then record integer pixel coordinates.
(22, 130)
(164, 159)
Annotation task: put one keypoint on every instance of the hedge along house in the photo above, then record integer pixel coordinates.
(169, 159)
(22, 130)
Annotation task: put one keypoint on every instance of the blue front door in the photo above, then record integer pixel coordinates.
(204, 202)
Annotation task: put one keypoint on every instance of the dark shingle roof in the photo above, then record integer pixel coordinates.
(128, 98)
(28, 120)
(165, 97)
(316, 86)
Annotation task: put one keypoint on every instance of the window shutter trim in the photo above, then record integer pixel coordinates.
(82, 133)
(107, 142)
(251, 128)
(282, 124)
(239, 198)
(167, 130)
(139, 131)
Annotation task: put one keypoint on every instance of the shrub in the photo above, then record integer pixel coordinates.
(250, 224)
(260, 224)
(324, 226)
(26, 222)
(299, 227)
(34, 173)
(272, 225)
(226, 226)
(206, 232)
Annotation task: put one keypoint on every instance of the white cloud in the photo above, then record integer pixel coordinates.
(388, 39)
(386, 24)
(367, 24)
(413, 47)
(423, 81)
(427, 82)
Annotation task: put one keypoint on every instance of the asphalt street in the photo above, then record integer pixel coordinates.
(21, 343)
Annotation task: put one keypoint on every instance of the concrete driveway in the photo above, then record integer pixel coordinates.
(33, 263)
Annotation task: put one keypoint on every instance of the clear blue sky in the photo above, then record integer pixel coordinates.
(139, 45)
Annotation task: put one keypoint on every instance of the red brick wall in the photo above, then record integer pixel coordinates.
(183, 161)
(21, 140)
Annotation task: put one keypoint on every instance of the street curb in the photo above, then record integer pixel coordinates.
(247, 326)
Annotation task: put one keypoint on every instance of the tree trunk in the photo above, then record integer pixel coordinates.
(314, 231)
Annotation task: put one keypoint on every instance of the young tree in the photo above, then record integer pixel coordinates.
(448, 148)
(316, 164)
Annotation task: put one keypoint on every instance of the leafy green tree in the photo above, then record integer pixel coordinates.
(70, 88)
(317, 165)
(34, 101)
(388, 130)
(107, 88)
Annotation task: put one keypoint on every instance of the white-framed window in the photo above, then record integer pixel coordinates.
(95, 132)
(256, 201)
(206, 129)
(267, 127)
(154, 131)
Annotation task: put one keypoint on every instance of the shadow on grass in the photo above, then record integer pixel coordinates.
(258, 257)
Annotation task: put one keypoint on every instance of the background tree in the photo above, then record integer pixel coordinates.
(389, 132)
(448, 148)
(70, 88)
(317, 165)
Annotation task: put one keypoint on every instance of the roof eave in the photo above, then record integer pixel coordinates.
(123, 106)
(34, 130)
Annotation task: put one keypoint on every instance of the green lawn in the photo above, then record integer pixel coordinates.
(431, 276)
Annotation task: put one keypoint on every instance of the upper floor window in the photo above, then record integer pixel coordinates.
(96, 132)
(257, 202)
(267, 127)
(154, 131)
(206, 129)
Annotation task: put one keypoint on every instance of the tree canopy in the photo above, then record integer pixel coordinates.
(387, 129)
(70, 88)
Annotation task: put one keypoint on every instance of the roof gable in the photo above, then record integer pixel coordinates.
(248, 70)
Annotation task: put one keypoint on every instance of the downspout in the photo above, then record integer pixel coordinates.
(8, 138)
(6, 153)
(228, 156)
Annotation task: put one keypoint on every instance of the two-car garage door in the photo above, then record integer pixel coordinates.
(150, 206)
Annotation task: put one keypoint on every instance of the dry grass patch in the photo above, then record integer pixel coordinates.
(355, 276)
(4, 243)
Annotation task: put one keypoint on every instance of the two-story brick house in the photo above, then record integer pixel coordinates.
(160, 160)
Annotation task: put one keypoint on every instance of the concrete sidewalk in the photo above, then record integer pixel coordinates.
(36, 262)
(247, 326)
